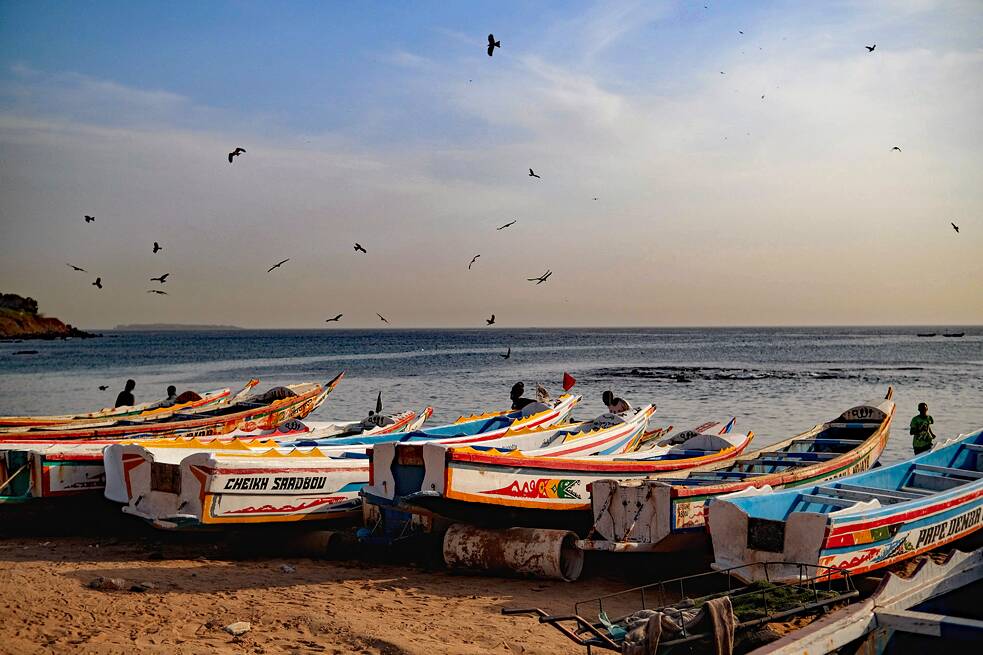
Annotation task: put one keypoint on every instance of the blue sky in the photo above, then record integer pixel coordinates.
(388, 124)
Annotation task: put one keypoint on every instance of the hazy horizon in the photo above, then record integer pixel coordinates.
(391, 127)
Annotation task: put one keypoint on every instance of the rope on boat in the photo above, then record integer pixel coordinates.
(11, 478)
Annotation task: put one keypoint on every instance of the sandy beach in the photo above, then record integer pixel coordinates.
(200, 584)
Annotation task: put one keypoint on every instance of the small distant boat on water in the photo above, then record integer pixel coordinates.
(928, 334)
(262, 411)
(954, 335)
(856, 524)
(149, 411)
(669, 513)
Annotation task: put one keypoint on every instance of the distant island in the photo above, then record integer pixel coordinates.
(161, 327)
(19, 319)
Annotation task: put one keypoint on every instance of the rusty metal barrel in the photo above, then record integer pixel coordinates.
(538, 553)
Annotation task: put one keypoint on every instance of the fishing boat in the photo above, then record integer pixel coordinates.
(256, 412)
(860, 523)
(955, 335)
(301, 480)
(548, 486)
(928, 334)
(47, 469)
(668, 513)
(149, 411)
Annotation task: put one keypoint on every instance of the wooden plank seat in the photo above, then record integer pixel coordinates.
(825, 441)
(945, 470)
(806, 455)
(851, 494)
(832, 501)
(772, 461)
(894, 492)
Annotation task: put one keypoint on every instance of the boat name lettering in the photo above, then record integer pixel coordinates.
(292, 483)
(282, 484)
(951, 527)
(247, 484)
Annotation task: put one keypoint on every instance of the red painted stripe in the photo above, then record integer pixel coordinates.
(905, 517)
(251, 471)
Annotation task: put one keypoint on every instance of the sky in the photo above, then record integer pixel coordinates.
(740, 155)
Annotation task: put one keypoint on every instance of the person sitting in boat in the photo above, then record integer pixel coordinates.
(171, 397)
(614, 404)
(518, 402)
(921, 432)
(125, 397)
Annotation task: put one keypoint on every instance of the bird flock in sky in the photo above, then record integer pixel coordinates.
(493, 43)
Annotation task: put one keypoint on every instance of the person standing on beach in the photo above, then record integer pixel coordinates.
(125, 397)
(921, 430)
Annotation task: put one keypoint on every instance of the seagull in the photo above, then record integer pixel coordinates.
(532, 174)
(490, 321)
(236, 153)
(954, 227)
(382, 318)
(896, 148)
(509, 224)
(278, 265)
(492, 44)
(158, 291)
(473, 260)
(162, 279)
(157, 247)
(336, 318)
(870, 48)
(359, 248)
(507, 355)
(541, 278)
(74, 267)
(98, 283)
(90, 219)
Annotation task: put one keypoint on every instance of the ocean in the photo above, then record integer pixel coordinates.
(777, 381)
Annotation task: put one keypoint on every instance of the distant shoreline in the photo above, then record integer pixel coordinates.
(173, 327)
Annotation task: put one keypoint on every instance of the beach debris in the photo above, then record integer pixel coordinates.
(142, 586)
(286, 568)
(238, 628)
(109, 584)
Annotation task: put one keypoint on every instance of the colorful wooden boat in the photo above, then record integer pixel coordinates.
(547, 487)
(150, 411)
(860, 523)
(63, 468)
(668, 513)
(257, 412)
(183, 488)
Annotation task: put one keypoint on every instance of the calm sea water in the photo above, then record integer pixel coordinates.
(777, 381)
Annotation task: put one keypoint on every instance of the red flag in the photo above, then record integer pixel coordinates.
(568, 382)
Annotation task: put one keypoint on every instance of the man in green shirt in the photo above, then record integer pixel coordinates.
(921, 430)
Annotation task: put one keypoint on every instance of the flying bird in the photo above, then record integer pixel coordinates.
(492, 44)
(157, 291)
(954, 227)
(473, 260)
(335, 319)
(278, 265)
(490, 321)
(509, 224)
(542, 278)
(533, 174)
(74, 267)
(595, 198)
(162, 279)
(896, 148)
(382, 318)
(359, 248)
(507, 355)
(740, 32)
(870, 48)
(98, 283)
(157, 247)
(103, 387)
(90, 219)
(235, 153)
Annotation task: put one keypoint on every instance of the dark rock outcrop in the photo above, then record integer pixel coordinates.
(19, 319)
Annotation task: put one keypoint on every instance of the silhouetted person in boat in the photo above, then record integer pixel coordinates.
(518, 402)
(125, 397)
(614, 404)
(921, 432)
(171, 399)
